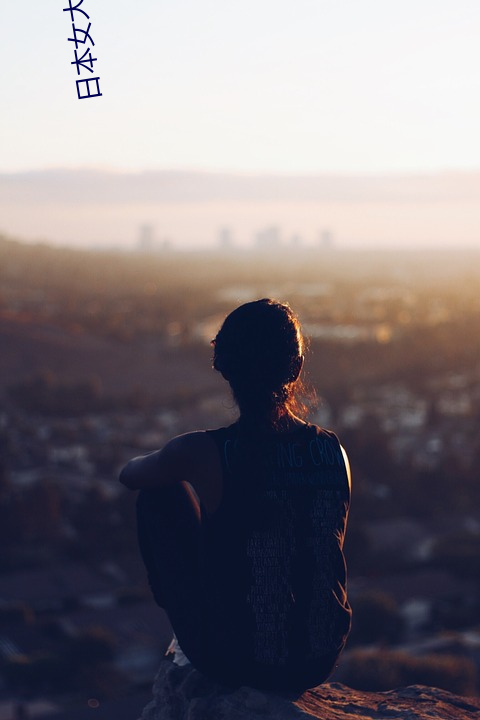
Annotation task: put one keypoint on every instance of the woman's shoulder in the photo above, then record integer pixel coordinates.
(325, 432)
(196, 459)
(197, 453)
(198, 440)
(188, 446)
(332, 438)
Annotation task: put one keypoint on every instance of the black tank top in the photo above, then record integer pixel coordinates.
(274, 570)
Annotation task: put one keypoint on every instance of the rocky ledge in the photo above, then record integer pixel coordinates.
(182, 693)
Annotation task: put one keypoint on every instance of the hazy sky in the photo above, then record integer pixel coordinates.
(308, 86)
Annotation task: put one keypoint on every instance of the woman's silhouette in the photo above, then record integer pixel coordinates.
(250, 566)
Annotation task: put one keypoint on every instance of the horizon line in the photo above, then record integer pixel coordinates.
(239, 248)
(117, 170)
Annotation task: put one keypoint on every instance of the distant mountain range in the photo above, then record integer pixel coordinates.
(96, 186)
(89, 207)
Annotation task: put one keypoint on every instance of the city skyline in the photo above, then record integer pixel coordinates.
(92, 209)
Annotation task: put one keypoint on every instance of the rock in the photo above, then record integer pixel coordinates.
(182, 693)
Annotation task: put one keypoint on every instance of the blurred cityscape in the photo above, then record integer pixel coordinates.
(267, 239)
(106, 355)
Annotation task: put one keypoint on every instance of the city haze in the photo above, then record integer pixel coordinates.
(180, 209)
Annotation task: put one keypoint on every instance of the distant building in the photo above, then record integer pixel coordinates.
(146, 238)
(296, 241)
(326, 239)
(166, 243)
(225, 238)
(268, 239)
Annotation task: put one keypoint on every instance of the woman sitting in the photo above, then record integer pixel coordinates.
(249, 567)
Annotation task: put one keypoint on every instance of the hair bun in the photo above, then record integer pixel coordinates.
(259, 350)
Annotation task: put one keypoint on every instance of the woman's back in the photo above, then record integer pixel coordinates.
(274, 572)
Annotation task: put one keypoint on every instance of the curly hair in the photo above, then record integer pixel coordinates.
(259, 351)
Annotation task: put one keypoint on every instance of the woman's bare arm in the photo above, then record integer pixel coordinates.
(159, 468)
(191, 458)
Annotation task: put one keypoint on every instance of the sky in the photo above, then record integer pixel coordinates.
(311, 86)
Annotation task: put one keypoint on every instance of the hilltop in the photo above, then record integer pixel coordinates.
(181, 693)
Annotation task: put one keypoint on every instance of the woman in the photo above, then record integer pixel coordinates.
(250, 566)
